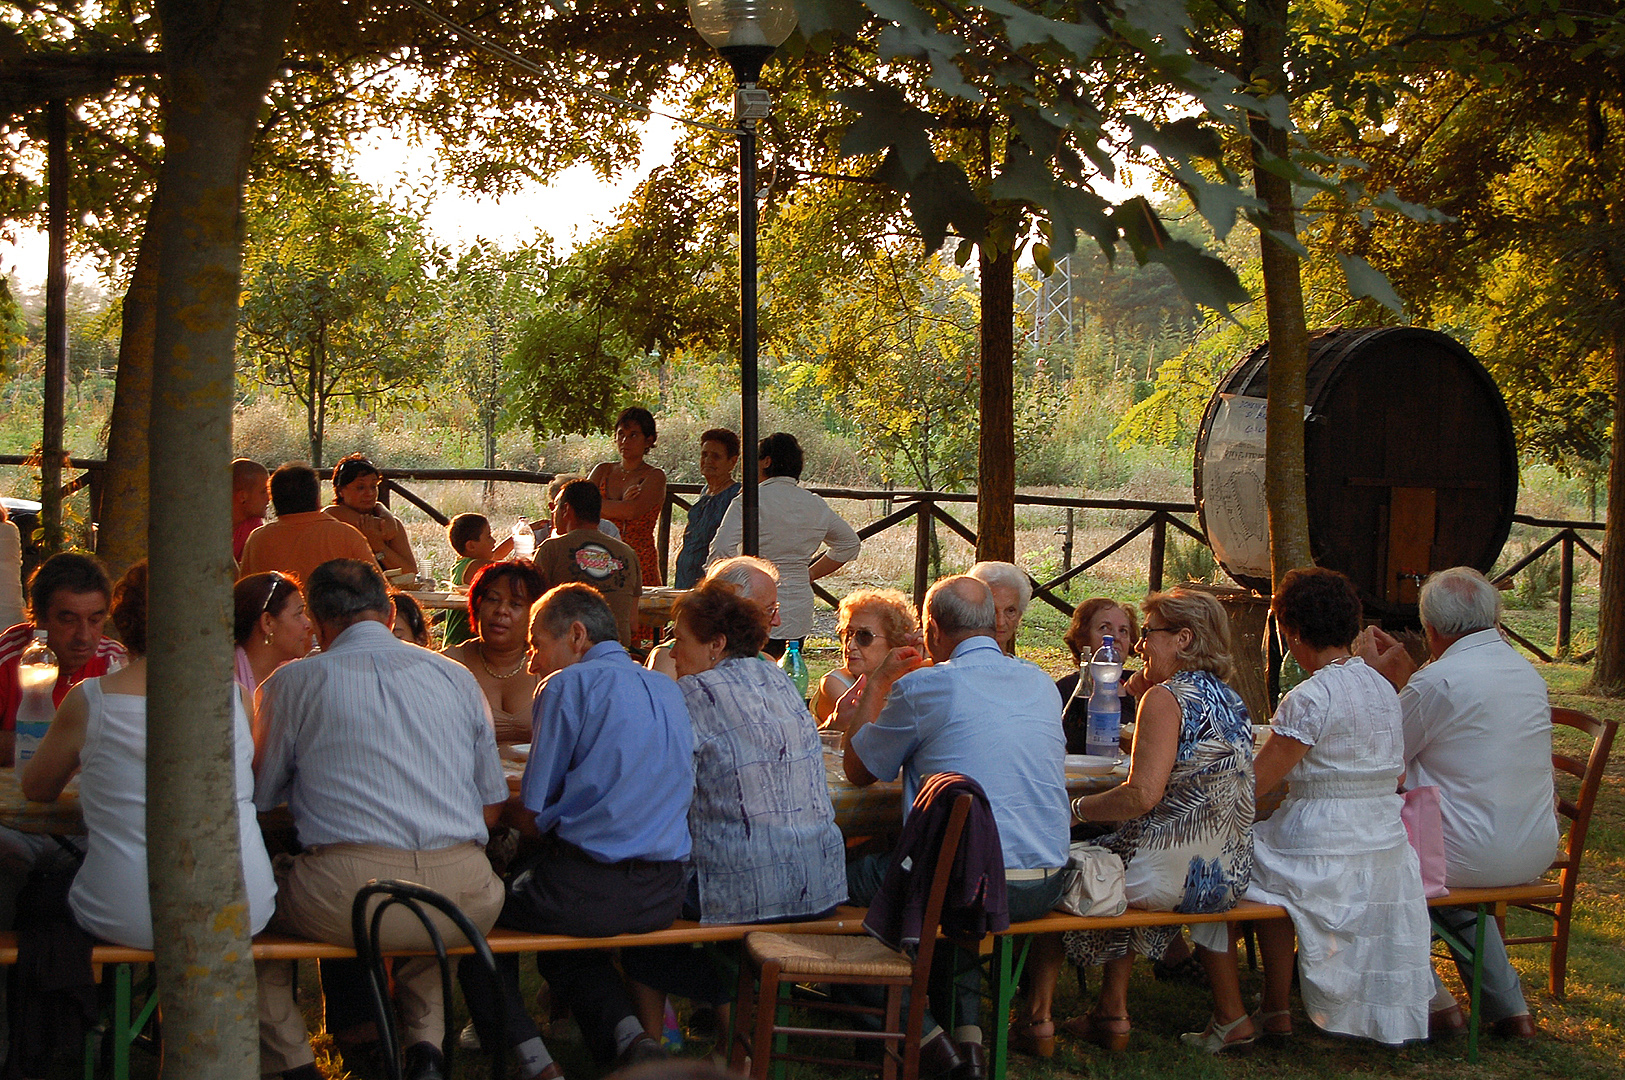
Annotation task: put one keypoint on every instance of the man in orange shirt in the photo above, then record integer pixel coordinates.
(302, 537)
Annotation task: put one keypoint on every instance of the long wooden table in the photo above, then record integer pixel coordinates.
(654, 603)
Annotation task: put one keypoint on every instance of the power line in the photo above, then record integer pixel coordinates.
(514, 58)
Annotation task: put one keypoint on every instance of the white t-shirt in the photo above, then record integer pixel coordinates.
(1478, 724)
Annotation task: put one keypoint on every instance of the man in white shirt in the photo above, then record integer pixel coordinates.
(794, 524)
(1477, 725)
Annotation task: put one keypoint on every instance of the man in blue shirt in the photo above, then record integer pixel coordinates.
(991, 717)
(609, 779)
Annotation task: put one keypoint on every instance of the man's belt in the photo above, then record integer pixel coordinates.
(1039, 874)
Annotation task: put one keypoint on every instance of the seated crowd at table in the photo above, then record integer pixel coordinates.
(695, 786)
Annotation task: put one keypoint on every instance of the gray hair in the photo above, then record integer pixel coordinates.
(341, 591)
(955, 613)
(1459, 601)
(1009, 575)
(576, 602)
(736, 571)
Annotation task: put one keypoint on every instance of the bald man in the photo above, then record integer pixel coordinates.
(757, 579)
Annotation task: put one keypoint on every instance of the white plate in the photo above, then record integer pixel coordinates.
(1090, 764)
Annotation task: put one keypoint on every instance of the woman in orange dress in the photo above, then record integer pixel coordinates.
(634, 490)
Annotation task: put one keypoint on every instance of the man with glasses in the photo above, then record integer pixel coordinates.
(758, 581)
(991, 717)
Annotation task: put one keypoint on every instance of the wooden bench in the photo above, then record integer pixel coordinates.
(126, 1022)
(1007, 966)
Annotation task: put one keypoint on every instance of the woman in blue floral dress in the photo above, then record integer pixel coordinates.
(1186, 813)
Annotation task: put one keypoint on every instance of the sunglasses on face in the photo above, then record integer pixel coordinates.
(863, 638)
(1145, 634)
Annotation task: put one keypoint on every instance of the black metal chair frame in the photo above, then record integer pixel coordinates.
(413, 897)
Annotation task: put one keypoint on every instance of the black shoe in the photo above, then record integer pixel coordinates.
(940, 1060)
(424, 1062)
(642, 1049)
(972, 1062)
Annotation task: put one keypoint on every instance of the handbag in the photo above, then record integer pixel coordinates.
(1092, 882)
(1425, 827)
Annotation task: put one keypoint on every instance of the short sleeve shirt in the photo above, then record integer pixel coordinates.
(12, 644)
(590, 557)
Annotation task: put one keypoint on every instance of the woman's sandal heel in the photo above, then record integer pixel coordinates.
(1092, 1028)
(1023, 1041)
(1216, 1039)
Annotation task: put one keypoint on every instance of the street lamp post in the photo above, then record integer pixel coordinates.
(745, 33)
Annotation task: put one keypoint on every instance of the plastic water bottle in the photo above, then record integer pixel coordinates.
(1105, 708)
(36, 678)
(794, 666)
(524, 541)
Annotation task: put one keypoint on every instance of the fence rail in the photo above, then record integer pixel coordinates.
(922, 508)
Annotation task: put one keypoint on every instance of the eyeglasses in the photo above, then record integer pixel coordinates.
(772, 611)
(862, 637)
(276, 579)
(1146, 632)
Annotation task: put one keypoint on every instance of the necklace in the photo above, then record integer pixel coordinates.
(486, 664)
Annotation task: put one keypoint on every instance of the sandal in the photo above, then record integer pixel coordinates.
(1216, 1038)
(1103, 1031)
(1025, 1039)
(1264, 1033)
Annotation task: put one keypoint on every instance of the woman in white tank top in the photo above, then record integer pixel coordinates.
(101, 731)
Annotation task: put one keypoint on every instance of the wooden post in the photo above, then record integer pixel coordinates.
(1159, 546)
(1565, 595)
(56, 324)
(1066, 545)
(922, 552)
(663, 539)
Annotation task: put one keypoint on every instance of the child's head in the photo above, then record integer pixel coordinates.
(470, 536)
(250, 489)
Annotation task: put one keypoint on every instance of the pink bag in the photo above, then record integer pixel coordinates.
(1425, 828)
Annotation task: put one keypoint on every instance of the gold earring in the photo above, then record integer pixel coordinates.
(268, 639)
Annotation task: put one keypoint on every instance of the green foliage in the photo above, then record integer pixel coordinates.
(1186, 560)
(337, 301)
(565, 371)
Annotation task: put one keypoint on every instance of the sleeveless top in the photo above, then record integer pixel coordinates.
(639, 534)
(109, 894)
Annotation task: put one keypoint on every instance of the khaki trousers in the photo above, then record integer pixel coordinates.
(314, 894)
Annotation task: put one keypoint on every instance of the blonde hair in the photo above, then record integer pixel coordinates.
(897, 618)
(1200, 613)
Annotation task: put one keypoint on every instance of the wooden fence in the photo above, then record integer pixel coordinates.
(919, 509)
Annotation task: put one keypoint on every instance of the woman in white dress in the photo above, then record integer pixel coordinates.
(1335, 853)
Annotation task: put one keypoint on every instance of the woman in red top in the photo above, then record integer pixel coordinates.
(634, 490)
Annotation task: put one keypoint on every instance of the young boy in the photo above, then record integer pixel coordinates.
(471, 539)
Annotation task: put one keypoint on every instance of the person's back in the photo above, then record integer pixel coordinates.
(302, 537)
(579, 552)
(1478, 724)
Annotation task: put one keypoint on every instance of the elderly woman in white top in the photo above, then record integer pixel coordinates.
(766, 847)
(1335, 854)
(1012, 592)
(794, 524)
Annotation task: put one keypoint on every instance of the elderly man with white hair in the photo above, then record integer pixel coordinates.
(758, 581)
(1012, 592)
(1477, 725)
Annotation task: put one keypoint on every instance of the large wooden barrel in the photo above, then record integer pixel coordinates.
(1410, 461)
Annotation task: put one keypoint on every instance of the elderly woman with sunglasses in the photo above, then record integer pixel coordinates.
(1184, 814)
(270, 626)
(870, 623)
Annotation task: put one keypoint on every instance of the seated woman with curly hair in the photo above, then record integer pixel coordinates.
(870, 624)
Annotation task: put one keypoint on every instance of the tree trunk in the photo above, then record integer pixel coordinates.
(996, 451)
(1608, 671)
(219, 56)
(125, 496)
(1264, 58)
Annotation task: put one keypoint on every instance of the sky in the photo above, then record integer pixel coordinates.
(570, 209)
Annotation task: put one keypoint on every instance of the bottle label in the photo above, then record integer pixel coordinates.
(29, 734)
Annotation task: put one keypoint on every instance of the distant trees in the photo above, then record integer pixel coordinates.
(337, 298)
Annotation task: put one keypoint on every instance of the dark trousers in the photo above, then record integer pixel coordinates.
(956, 974)
(567, 892)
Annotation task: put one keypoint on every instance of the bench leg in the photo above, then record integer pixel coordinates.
(1477, 991)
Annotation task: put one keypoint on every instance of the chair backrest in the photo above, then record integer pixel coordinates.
(946, 854)
(1589, 773)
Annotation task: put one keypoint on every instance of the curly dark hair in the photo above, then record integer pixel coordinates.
(717, 609)
(521, 576)
(639, 416)
(408, 611)
(1318, 605)
(129, 610)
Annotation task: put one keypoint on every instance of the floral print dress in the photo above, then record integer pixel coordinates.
(1193, 852)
